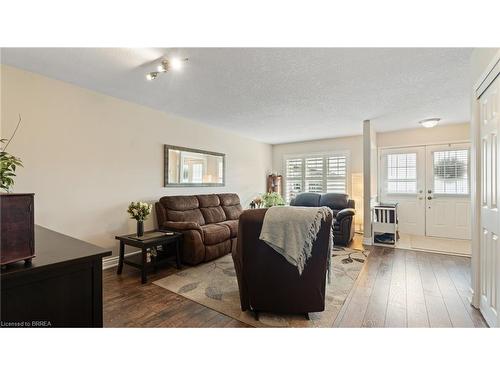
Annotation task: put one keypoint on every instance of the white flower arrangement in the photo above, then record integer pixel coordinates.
(139, 210)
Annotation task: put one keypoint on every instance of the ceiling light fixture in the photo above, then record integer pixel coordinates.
(174, 63)
(430, 122)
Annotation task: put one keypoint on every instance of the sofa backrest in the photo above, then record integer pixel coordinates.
(336, 201)
(306, 200)
(230, 203)
(210, 208)
(182, 208)
(201, 209)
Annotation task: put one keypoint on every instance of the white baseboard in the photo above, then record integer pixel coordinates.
(113, 261)
(367, 241)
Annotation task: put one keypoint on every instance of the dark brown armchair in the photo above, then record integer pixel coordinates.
(267, 282)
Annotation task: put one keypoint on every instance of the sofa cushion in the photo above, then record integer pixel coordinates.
(230, 203)
(229, 199)
(180, 202)
(182, 208)
(208, 200)
(213, 214)
(214, 233)
(233, 227)
(232, 212)
(193, 216)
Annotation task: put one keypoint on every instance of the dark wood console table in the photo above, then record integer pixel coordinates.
(146, 246)
(61, 288)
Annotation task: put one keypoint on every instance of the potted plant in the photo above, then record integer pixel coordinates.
(17, 221)
(139, 211)
(272, 199)
(8, 163)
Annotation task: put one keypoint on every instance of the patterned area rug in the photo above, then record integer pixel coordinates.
(214, 285)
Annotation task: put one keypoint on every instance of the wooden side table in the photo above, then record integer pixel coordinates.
(146, 245)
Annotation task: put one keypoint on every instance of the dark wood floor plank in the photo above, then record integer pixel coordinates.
(355, 306)
(458, 315)
(416, 309)
(377, 306)
(463, 288)
(436, 308)
(396, 304)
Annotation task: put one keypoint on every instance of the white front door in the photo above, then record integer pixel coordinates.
(402, 173)
(489, 253)
(448, 191)
(431, 186)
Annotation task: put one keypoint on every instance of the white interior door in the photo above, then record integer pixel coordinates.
(402, 176)
(489, 253)
(448, 191)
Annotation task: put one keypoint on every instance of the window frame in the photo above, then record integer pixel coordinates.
(454, 147)
(324, 154)
(387, 180)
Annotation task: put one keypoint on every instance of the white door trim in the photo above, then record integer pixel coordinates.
(476, 186)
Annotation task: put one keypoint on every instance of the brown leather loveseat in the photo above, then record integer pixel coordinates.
(209, 223)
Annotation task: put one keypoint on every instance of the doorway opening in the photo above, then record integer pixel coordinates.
(431, 185)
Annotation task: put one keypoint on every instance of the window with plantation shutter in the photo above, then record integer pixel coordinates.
(316, 174)
(294, 177)
(336, 174)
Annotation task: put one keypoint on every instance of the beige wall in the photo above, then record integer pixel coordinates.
(423, 136)
(87, 155)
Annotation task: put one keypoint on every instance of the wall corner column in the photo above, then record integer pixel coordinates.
(369, 178)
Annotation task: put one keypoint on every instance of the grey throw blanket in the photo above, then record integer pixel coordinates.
(291, 231)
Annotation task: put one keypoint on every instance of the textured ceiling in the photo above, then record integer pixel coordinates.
(274, 95)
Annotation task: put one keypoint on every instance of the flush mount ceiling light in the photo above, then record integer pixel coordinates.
(166, 65)
(430, 122)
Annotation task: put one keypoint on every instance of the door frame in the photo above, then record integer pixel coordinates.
(476, 181)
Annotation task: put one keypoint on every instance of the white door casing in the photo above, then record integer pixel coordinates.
(408, 184)
(489, 254)
(448, 197)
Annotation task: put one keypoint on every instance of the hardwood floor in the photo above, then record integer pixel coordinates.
(128, 303)
(396, 288)
(406, 288)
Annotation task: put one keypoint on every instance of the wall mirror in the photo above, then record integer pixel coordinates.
(191, 167)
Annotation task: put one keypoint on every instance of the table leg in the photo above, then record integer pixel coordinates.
(120, 258)
(144, 278)
(177, 254)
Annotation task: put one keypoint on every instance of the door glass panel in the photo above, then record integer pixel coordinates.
(451, 172)
(402, 173)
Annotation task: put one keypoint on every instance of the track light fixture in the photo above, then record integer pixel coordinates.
(166, 65)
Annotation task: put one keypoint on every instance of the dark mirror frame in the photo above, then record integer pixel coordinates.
(166, 148)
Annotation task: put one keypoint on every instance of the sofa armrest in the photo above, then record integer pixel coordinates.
(346, 212)
(181, 225)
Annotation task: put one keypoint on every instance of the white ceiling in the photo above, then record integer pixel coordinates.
(274, 95)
